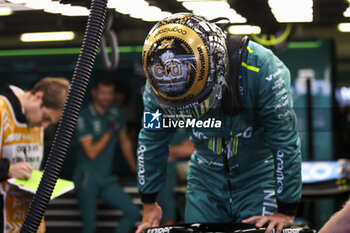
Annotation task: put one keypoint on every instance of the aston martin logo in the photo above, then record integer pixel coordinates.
(166, 44)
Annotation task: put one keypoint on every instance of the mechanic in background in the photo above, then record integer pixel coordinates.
(100, 126)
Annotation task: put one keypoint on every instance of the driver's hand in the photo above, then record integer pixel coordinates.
(152, 214)
(277, 221)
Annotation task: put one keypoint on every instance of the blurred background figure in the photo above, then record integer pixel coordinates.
(339, 222)
(24, 115)
(123, 99)
(100, 126)
(179, 153)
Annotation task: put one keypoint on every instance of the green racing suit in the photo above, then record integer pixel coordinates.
(261, 144)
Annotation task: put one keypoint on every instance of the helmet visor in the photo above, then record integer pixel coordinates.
(199, 110)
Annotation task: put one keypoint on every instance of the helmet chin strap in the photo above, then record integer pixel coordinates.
(236, 48)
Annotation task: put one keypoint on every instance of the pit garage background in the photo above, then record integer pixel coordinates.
(316, 51)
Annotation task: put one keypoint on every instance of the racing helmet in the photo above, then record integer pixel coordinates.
(185, 61)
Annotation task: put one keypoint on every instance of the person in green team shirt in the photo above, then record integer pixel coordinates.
(180, 151)
(100, 125)
(234, 96)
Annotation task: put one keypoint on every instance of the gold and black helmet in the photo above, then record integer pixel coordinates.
(185, 62)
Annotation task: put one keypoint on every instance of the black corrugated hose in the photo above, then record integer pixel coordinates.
(69, 117)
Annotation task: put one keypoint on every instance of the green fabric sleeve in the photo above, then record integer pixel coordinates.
(275, 111)
(118, 114)
(83, 127)
(152, 153)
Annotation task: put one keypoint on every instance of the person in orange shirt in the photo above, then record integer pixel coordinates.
(23, 117)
